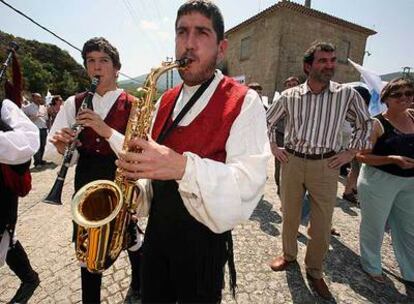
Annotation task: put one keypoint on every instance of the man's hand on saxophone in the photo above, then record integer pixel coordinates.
(154, 162)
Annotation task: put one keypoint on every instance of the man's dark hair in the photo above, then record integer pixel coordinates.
(100, 44)
(55, 99)
(309, 55)
(207, 9)
(364, 92)
(291, 78)
(255, 86)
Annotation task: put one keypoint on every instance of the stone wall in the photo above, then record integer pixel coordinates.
(278, 42)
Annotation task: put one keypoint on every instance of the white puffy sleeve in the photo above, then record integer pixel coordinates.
(18, 145)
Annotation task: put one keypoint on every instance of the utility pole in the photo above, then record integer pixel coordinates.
(172, 78)
(406, 72)
(168, 59)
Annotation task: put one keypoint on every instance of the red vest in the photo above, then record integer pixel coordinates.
(117, 119)
(207, 134)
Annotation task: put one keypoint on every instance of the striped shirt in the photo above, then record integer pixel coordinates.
(314, 121)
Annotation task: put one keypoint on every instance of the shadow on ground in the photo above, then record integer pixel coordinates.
(47, 166)
(267, 218)
(342, 266)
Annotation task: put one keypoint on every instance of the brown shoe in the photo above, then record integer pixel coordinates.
(320, 287)
(279, 263)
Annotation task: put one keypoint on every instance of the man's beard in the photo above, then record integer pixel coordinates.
(324, 76)
(201, 76)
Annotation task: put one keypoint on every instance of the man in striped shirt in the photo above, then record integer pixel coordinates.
(314, 113)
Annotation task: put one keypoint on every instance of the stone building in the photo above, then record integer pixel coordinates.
(269, 47)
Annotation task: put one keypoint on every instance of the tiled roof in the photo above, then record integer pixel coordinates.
(306, 11)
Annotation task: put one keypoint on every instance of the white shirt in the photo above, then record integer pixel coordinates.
(19, 145)
(37, 114)
(66, 117)
(222, 195)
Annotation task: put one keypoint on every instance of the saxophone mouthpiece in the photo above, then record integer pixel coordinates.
(183, 62)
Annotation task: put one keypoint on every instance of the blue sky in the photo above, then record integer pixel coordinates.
(143, 30)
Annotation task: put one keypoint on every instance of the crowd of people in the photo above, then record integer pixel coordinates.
(201, 170)
(42, 115)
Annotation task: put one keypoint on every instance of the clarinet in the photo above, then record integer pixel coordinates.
(55, 194)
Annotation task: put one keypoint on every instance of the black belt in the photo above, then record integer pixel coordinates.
(311, 156)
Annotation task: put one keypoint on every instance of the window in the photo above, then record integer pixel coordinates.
(343, 50)
(245, 48)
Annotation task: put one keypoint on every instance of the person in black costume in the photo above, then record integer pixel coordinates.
(205, 167)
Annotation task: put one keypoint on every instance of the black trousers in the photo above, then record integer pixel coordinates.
(19, 263)
(38, 157)
(91, 282)
(182, 265)
(169, 279)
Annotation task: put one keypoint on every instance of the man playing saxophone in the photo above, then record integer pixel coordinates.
(202, 175)
(99, 142)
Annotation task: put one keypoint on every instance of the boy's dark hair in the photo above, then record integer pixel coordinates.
(207, 9)
(100, 44)
(364, 92)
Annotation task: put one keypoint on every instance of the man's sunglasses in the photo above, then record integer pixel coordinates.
(400, 94)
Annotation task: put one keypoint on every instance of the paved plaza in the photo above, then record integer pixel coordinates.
(45, 232)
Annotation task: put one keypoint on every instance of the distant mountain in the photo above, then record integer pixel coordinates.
(390, 76)
(131, 86)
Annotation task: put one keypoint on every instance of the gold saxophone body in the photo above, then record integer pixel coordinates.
(103, 209)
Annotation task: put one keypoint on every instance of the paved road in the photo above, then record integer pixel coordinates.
(45, 232)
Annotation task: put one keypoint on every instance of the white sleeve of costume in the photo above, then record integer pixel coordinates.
(144, 198)
(64, 119)
(222, 195)
(116, 141)
(19, 145)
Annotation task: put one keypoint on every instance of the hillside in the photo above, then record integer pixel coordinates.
(131, 86)
(46, 67)
(390, 76)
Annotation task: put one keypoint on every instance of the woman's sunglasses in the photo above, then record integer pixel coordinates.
(400, 94)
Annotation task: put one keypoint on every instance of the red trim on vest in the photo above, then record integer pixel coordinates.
(207, 134)
(117, 119)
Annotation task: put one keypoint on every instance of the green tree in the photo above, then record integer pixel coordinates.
(37, 79)
(45, 66)
(68, 86)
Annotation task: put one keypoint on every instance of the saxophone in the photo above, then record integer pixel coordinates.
(104, 209)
